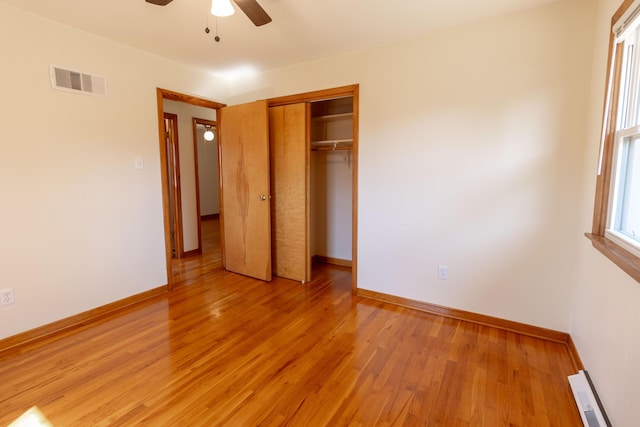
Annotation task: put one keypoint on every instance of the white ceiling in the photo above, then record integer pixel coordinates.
(302, 30)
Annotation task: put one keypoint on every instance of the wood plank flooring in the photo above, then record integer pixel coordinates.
(192, 269)
(224, 349)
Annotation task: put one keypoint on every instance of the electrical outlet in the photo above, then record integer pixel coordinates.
(6, 296)
(443, 272)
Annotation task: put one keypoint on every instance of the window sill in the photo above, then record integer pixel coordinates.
(624, 259)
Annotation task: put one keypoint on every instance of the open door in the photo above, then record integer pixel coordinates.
(173, 173)
(246, 200)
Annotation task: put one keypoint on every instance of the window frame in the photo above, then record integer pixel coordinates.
(600, 238)
(625, 145)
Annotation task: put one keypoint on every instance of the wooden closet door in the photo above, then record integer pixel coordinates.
(244, 170)
(290, 181)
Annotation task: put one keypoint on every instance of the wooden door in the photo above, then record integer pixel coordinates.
(173, 173)
(244, 171)
(290, 177)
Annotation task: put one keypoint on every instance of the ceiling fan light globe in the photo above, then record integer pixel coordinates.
(208, 135)
(222, 8)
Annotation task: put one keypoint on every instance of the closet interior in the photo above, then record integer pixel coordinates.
(331, 178)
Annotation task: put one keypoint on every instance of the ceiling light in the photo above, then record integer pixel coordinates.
(222, 8)
(208, 134)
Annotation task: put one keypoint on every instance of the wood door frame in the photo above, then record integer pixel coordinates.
(213, 123)
(319, 95)
(161, 95)
(175, 190)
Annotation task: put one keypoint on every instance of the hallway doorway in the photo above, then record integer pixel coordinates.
(166, 97)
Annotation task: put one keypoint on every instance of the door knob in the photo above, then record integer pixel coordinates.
(262, 197)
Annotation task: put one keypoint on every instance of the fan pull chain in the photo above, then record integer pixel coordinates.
(207, 30)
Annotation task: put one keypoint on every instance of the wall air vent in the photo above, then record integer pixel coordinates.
(77, 81)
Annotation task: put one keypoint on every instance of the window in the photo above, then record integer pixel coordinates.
(616, 224)
(625, 215)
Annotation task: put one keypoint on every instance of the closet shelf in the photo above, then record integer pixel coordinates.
(332, 145)
(337, 148)
(330, 117)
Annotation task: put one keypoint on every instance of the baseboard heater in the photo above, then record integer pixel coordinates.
(587, 400)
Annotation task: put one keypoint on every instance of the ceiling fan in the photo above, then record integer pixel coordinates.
(251, 8)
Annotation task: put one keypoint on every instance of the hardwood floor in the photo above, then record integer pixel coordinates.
(192, 269)
(223, 349)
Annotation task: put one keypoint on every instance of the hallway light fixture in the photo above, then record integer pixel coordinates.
(222, 8)
(208, 133)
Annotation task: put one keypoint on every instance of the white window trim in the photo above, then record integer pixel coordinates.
(623, 240)
(631, 37)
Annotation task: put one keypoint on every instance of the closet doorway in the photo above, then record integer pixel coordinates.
(307, 201)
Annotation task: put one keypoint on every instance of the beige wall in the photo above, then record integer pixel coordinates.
(82, 226)
(208, 174)
(606, 307)
(331, 204)
(471, 142)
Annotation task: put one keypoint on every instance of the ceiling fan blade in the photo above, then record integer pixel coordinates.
(254, 11)
(159, 2)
